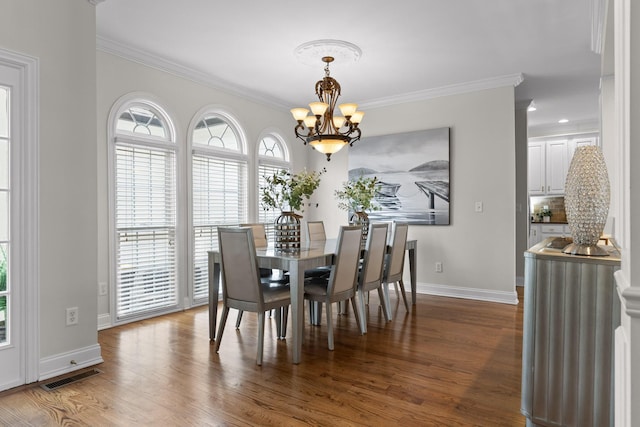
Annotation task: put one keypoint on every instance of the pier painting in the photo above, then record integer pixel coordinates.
(413, 168)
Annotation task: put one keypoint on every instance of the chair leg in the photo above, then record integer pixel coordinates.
(281, 321)
(363, 313)
(223, 321)
(330, 325)
(404, 295)
(383, 294)
(239, 319)
(260, 337)
(315, 312)
(357, 314)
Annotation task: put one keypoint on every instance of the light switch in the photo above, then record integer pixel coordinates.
(479, 207)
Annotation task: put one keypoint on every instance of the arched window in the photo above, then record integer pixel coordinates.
(272, 157)
(143, 168)
(219, 187)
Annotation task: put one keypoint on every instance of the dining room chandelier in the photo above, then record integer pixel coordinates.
(321, 129)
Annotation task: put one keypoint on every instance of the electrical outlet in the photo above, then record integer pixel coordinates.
(479, 207)
(103, 288)
(438, 267)
(72, 316)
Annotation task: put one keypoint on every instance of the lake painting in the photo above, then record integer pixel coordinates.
(413, 168)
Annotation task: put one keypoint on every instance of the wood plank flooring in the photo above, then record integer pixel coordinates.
(451, 362)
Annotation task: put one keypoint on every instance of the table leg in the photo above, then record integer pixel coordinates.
(214, 290)
(296, 285)
(412, 271)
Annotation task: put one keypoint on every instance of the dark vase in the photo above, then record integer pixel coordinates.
(287, 232)
(362, 219)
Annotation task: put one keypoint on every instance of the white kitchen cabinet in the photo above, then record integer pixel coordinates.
(536, 169)
(534, 234)
(548, 163)
(556, 166)
(580, 142)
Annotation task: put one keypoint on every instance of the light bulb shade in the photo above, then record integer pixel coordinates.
(299, 113)
(338, 122)
(318, 108)
(347, 110)
(310, 121)
(328, 144)
(357, 117)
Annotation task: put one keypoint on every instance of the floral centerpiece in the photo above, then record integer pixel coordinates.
(358, 196)
(288, 192)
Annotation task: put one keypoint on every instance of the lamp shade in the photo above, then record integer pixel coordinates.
(328, 145)
(587, 196)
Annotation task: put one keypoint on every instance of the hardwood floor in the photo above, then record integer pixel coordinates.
(451, 362)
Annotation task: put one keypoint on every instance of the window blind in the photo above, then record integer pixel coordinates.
(219, 198)
(145, 219)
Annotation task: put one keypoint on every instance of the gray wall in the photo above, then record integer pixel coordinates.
(61, 35)
(478, 249)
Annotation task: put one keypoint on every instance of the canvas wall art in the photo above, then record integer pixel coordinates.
(413, 168)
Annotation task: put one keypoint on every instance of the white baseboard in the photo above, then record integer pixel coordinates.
(63, 363)
(503, 297)
(104, 321)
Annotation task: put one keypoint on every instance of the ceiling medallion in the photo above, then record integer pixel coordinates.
(322, 130)
(343, 52)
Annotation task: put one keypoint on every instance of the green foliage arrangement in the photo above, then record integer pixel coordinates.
(358, 195)
(286, 191)
(542, 213)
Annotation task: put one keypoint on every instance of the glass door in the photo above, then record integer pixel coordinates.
(13, 371)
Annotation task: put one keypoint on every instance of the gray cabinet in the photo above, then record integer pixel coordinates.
(571, 310)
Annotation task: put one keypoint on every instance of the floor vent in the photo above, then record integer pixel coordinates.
(69, 380)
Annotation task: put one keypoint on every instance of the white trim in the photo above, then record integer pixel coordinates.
(455, 89)
(26, 242)
(104, 321)
(467, 293)
(629, 295)
(167, 66)
(162, 64)
(70, 361)
(622, 374)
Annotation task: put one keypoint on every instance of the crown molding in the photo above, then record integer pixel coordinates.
(456, 89)
(95, 2)
(165, 65)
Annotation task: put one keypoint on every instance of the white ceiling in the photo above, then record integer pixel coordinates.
(411, 49)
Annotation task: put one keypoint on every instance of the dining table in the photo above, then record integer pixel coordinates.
(312, 254)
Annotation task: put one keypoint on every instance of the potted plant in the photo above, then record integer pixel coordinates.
(288, 192)
(357, 196)
(544, 214)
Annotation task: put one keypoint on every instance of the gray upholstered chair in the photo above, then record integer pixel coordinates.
(315, 231)
(394, 262)
(268, 277)
(342, 281)
(241, 285)
(370, 276)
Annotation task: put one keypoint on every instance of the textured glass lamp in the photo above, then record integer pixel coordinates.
(586, 201)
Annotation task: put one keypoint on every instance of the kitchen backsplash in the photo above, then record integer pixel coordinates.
(555, 205)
